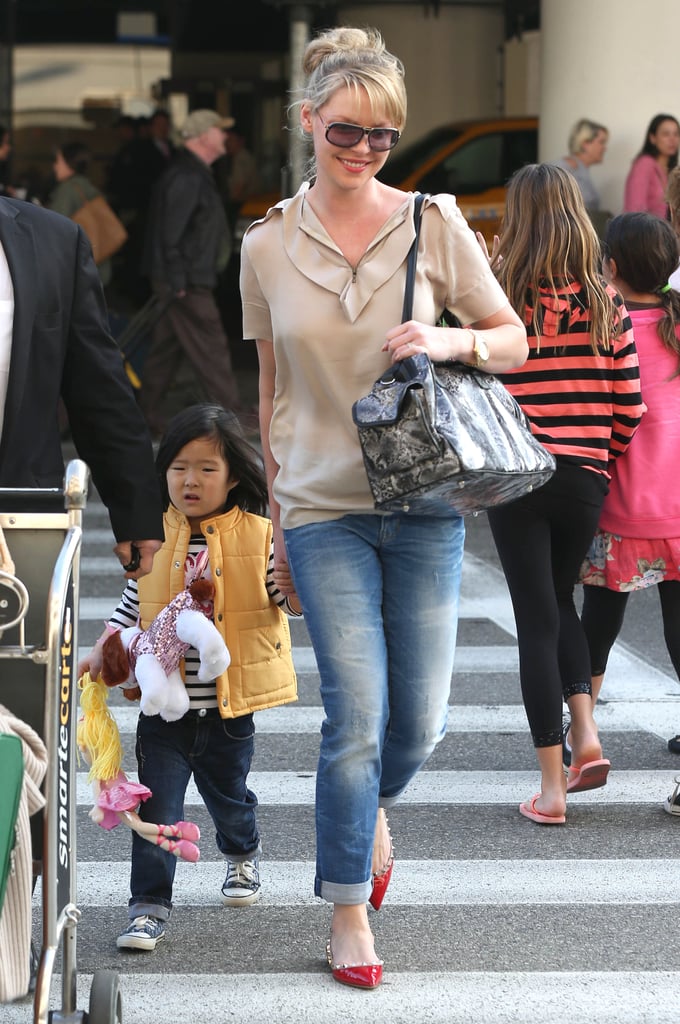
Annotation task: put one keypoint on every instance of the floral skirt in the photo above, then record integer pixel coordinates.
(628, 563)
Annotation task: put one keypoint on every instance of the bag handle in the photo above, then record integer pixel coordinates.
(407, 310)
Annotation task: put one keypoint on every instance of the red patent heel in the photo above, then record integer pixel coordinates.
(357, 975)
(380, 883)
(381, 879)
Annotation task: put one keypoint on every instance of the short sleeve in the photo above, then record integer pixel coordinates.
(257, 321)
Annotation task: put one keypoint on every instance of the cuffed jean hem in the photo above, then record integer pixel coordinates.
(345, 895)
(386, 802)
(141, 909)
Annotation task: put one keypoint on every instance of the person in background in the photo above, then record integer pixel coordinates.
(5, 150)
(242, 176)
(188, 243)
(215, 493)
(322, 281)
(587, 146)
(637, 544)
(74, 188)
(580, 390)
(647, 179)
(54, 344)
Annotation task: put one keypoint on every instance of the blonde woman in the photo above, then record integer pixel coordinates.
(322, 282)
(587, 146)
(580, 389)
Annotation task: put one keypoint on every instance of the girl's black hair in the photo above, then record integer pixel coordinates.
(645, 250)
(648, 147)
(212, 421)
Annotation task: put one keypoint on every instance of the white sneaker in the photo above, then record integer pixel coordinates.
(242, 884)
(142, 933)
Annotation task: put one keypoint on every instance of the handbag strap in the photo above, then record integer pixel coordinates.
(411, 259)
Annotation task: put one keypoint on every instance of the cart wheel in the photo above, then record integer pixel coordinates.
(106, 1005)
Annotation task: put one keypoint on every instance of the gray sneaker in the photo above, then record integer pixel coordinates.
(142, 933)
(242, 884)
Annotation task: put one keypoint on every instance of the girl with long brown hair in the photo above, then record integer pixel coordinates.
(580, 390)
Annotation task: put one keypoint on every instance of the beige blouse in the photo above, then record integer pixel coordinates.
(328, 323)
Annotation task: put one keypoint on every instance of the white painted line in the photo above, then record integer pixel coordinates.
(476, 788)
(458, 997)
(302, 719)
(449, 882)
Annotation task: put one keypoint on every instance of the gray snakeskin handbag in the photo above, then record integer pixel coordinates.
(439, 439)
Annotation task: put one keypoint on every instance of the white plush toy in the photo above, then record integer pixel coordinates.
(149, 659)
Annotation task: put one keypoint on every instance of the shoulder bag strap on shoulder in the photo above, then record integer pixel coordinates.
(411, 259)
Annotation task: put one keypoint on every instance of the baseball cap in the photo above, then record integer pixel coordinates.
(200, 121)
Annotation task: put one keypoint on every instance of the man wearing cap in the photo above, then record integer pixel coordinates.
(188, 244)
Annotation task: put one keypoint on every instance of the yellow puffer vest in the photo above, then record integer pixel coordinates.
(256, 631)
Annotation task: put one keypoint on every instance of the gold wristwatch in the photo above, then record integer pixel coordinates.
(480, 350)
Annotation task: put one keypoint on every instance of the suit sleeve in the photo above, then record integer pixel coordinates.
(108, 428)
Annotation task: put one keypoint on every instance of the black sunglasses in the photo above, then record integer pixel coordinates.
(347, 135)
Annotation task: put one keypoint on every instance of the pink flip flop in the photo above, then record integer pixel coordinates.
(529, 811)
(591, 775)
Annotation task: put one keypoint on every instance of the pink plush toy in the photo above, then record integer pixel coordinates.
(150, 659)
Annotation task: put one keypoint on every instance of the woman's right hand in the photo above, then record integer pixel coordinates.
(282, 576)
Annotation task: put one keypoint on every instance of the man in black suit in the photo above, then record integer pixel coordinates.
(54, 343)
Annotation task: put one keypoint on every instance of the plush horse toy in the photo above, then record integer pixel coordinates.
(117, 799)
(150, 659)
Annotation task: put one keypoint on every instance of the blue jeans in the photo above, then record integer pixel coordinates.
(380, 599)
(218, 752)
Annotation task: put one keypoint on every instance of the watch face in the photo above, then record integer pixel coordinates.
(482, 350)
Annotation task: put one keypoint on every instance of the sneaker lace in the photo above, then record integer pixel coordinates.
(242, 873)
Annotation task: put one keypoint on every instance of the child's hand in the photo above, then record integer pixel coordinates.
(495, 258)
(92, 662)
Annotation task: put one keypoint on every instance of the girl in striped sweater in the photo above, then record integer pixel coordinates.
(580, 389)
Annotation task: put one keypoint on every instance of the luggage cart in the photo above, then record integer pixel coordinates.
(39, 642)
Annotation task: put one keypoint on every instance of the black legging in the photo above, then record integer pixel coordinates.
(602, 618)
(542, 540)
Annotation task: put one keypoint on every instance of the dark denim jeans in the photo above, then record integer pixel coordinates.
(218, 752)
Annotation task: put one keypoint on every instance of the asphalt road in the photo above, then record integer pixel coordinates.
(488, 919)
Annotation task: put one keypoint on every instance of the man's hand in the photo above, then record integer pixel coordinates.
(136, 556)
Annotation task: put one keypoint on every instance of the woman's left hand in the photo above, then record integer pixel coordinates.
(440, 343)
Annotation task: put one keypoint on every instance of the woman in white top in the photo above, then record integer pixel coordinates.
(322, 282)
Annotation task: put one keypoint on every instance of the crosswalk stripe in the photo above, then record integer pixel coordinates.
(449, 882)
(458, 997)
(442, 787)
(650, 716)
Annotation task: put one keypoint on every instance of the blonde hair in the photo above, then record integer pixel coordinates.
(584, 131)
(547, 239)
(355, 58)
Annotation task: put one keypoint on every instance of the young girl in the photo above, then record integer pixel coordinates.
(215, 495)
(580, 389)
(637, 544)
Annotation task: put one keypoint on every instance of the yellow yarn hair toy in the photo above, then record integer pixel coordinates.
(116, 797)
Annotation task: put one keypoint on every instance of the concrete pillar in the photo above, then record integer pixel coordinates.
(614, 61)
(300, 21)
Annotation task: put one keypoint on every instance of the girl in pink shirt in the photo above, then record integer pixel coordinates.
(637, 544)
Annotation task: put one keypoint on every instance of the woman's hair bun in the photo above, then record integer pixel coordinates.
(336, 41)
